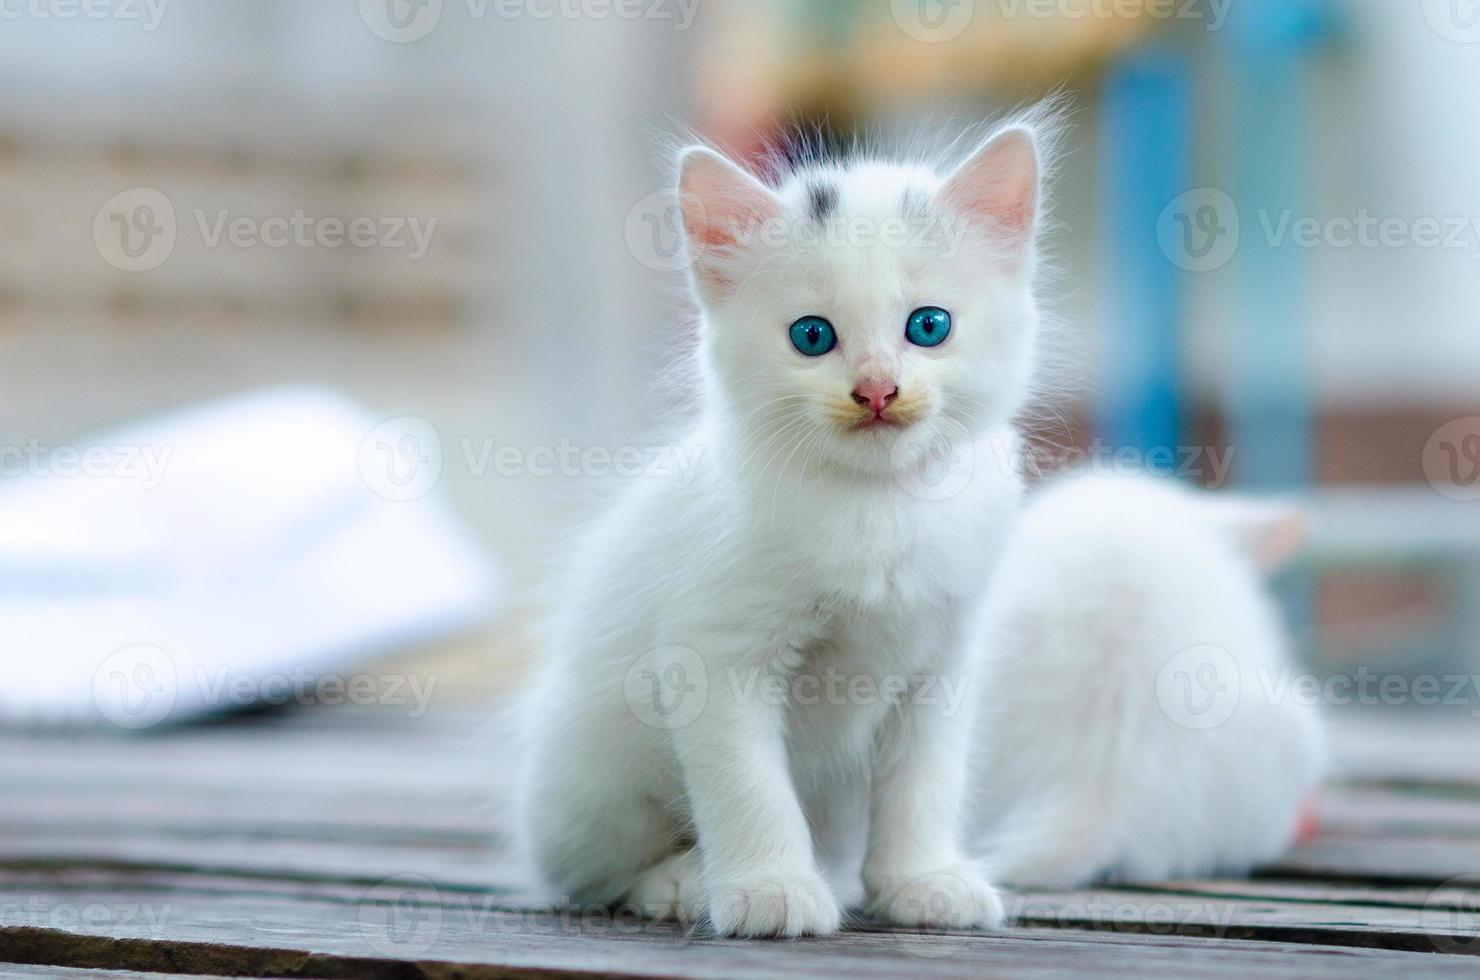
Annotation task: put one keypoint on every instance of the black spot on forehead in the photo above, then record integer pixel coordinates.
(822, 200)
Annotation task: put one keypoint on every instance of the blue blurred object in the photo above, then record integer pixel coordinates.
(1145, 168)
(1144, 161)
(1270, 410)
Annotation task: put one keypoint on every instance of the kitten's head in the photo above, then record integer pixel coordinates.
(857, 308)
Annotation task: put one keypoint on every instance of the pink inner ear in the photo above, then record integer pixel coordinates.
(721, 203)
(720, 228)
(999, 184)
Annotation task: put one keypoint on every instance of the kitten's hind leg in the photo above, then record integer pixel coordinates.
(591, 826)
(671, 889)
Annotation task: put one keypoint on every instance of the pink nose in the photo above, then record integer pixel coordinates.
(875, 395)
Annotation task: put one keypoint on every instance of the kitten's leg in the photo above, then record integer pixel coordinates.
(594, 820)
(760, 874)
(915, 873)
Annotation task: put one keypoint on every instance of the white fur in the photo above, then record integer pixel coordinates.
(799, 551)
(1091, 765)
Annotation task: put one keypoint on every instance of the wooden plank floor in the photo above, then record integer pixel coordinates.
(329, 842)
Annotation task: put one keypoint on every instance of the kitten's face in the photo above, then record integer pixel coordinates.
(862, 311)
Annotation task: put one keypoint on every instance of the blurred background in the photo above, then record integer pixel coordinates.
(435, 232)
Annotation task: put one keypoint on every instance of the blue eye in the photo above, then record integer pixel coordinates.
(813, 336)
(928, 326)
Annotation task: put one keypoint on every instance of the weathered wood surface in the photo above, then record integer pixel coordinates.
(332, 843)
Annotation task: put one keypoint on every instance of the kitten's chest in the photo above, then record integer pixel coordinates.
(893, 557)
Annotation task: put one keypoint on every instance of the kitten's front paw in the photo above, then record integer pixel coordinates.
(774, 904)
(953, 897)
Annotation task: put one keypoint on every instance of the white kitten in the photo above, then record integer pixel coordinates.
(1128, 730)
(744, 704)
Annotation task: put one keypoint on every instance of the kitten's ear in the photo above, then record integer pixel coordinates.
(1270, 533)
(998, 187)
(723, 206)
